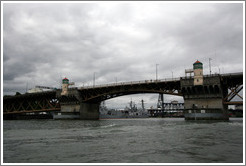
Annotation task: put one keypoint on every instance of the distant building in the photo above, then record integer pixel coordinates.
(34, 90)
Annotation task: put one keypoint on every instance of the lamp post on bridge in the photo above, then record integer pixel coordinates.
(156, 72)
(210, 65)
(94, 77)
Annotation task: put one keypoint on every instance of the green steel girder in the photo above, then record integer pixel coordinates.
(45, 101)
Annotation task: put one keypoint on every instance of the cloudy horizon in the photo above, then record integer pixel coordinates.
(45, 42)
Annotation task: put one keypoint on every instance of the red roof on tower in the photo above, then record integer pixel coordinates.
(65, 78)
(197, 62)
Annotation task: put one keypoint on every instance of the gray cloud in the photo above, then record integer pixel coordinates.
(44, 42)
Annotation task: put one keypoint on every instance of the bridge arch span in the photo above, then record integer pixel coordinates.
(106, 96)
(96, 95)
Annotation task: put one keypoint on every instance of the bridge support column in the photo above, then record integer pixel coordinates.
(70, 105)
(89, 111)
(205, 109)
(204, 102)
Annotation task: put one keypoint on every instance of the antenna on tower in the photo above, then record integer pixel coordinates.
(210, 66)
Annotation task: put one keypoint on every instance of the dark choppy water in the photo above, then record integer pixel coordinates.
(161, 140)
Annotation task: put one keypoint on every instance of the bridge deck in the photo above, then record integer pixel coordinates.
(129, 83)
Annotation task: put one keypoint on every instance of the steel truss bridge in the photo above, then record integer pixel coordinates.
(49, 101)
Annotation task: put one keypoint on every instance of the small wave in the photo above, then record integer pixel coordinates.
(236, 124)
(107, 126)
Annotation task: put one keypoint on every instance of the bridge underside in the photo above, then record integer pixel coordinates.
(99, 94)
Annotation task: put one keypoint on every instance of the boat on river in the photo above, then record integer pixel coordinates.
(129, 112)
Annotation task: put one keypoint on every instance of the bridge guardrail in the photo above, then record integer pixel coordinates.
(130, 83)
(153, 81)
(232, 74)
(207, 75)
(216, 74)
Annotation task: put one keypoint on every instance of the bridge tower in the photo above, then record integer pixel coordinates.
(69, 100)
(72, 104)
(65, 84)
(203, 96)
(198, 73)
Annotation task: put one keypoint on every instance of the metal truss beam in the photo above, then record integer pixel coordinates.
(38, 102)
(234, 91)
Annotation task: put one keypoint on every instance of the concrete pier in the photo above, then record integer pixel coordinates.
(72, 107)
(84, 111)
(204, 102)
(89, 111)
(68, 111)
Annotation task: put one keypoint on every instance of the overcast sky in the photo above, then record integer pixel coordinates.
(45, 42)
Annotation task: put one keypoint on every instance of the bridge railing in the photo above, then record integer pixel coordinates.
(130, 83)
(207, 75)
(216, 74)
(232, 74)
(153, 81)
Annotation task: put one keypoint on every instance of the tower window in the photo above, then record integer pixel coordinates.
(197, 80)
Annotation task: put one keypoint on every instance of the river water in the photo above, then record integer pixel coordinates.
(150, 140)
